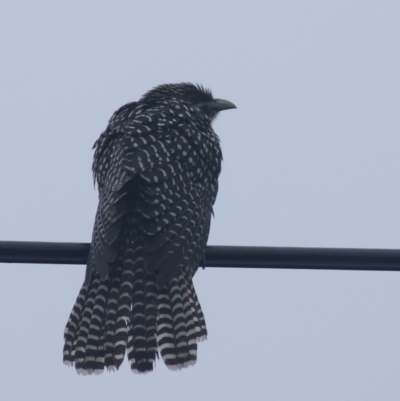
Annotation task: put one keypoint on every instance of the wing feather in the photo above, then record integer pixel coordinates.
(154, 165)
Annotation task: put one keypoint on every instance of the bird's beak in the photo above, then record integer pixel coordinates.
(221, 104)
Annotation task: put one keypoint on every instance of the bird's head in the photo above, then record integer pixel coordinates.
(195, 95)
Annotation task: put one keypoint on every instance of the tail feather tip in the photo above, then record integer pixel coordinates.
(180, 366)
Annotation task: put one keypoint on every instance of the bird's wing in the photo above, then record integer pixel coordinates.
(152, 166)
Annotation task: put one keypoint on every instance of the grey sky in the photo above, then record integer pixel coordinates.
(311, 158)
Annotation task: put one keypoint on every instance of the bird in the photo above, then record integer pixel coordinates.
(156, 167)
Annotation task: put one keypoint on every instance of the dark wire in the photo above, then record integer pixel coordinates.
(222, 256)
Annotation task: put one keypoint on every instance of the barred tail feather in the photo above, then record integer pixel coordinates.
(84, 326)
(128, 313)
(94, 352)
(200, 325)
(72, 327)
(91, 326)
(180, 323)
(123, 321)
(111, 317)
(142, 346)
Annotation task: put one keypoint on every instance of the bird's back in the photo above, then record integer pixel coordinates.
(157, 167)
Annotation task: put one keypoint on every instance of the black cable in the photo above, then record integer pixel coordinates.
(222, 256)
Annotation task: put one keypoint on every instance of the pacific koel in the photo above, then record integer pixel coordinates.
(156, 167)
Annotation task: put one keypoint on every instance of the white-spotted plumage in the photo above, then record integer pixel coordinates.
(156, 166)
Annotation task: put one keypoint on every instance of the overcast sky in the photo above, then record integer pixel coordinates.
(311, 159)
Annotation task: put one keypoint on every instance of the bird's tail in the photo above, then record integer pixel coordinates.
(180, 323)
(113, 314)
(127, 312)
